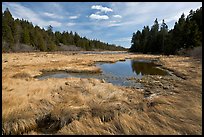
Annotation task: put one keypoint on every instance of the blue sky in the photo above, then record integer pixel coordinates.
(112, 22)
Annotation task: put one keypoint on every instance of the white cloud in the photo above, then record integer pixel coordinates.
(139, 14)
(114, 23)
(70, 24)
(48, 14)
(175, 17)
(51, 15)
(84, 32)
(73, 17)
(19, 11)
(125, 23)
(101, 8)
(98, 17)
(125, 39)
(117, 16)
(54, 23)
(98, 12)
(55, 5)
(134, 15)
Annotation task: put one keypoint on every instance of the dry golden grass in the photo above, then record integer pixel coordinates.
(90, 106)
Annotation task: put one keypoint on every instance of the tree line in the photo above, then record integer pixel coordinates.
(16, 31)
(186, 34)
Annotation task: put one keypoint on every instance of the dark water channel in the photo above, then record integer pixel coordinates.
(121, 73)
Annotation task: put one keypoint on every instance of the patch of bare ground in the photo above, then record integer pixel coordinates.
(166, 105)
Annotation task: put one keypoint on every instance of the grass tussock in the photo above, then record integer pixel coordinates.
(85, 111)
(79, 110)
(84, 107)
(91, 106)
(22, 75)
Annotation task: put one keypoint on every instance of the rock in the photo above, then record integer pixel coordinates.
(131, 78)
(121, 59)
(54, 61)
(147, 93)
(103, 81)
(160, 77)
(165, 87)
(161, 85)
(61, 88)
(153, 96)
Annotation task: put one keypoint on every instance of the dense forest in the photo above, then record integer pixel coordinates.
(186, 34)
(21, 35)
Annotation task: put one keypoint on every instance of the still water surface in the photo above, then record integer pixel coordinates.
(119, 73)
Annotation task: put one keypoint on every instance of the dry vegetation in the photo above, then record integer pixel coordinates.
(92, 106)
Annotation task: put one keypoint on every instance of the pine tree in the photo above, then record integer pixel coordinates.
(17, 31)
(7, 35)
(144, 37)
(178, 33)
(132, 48)
(8, 17)
(26, 36)
(164, 33)
(76, 38)
(21, 31)
(41, 43)
(192, 34)
(49, 30)
(136, 42)
(154, 37)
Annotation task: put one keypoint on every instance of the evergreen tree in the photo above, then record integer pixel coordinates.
(164, 34)
(26, 36)
(136, 42)
(22, 31)
(17, 31)
(8, 17)
(145, 37)
(179, 32)
(49, 30)
(154, 37)
(192, 34)
(41, 43)
(7, 35)
(186, 34)
(76, 39)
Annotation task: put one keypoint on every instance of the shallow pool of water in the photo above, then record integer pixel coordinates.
(120, 73)
(132, 68)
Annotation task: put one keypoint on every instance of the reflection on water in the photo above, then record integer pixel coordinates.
(132, 68)
(53, 74)
(119, 69)
(146, 68)
(115, 73)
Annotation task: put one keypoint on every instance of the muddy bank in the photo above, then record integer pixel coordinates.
(166, 105)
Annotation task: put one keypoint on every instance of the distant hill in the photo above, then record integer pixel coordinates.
(21, 36)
